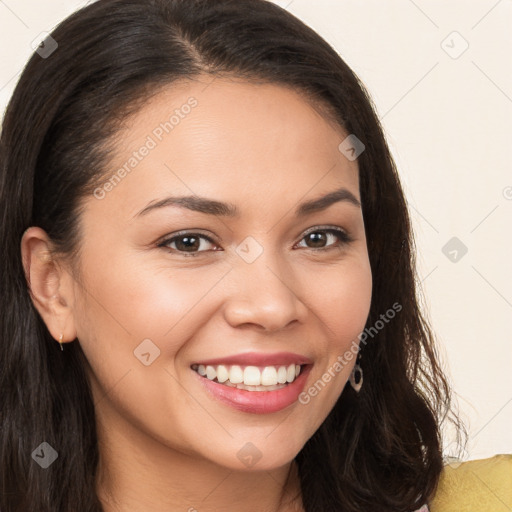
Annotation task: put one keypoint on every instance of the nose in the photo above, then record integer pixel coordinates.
(265, 294)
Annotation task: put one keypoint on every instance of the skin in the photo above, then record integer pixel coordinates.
(165, 444)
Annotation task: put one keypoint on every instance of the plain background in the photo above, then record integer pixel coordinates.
(440, 75)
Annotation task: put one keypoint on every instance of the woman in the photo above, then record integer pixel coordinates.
(199, 205)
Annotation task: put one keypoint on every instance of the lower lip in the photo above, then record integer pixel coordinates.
(258, 402)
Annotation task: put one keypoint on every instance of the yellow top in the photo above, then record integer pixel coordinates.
(475, 486)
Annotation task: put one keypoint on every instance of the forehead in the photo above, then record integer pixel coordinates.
(226, 137)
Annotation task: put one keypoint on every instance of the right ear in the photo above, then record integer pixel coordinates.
(50, 284)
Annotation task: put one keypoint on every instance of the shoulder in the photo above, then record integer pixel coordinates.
(475, 486)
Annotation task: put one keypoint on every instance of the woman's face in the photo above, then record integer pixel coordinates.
(149, 308)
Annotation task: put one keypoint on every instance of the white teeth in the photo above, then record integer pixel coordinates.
(236, 376)
(290, 373)
(222, 373)
(252, 376)
(266, 378)
(269, 376)
(210, 372)
(281, 374)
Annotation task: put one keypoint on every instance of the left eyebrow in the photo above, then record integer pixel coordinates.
(324, 202)
(213, 207)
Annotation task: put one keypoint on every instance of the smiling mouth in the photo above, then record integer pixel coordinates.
(250, 378)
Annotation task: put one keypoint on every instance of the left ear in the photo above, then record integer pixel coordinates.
(51, 285)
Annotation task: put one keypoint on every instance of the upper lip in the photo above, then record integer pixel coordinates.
(259, 359)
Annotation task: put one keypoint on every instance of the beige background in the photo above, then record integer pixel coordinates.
(447, 112)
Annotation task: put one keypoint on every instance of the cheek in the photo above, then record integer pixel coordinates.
(122, 310)
(166, 303)
(342, 299)
(126, 303)
(149, 300)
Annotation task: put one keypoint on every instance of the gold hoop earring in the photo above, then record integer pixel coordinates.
(60, 341)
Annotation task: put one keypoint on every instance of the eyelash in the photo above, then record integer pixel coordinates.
(342, 235)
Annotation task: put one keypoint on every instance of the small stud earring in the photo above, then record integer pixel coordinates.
(45, 257)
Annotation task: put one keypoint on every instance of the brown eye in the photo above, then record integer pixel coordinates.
(187, 243)
(319, 238)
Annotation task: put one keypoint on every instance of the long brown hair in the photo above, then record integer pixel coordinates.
(377, 450)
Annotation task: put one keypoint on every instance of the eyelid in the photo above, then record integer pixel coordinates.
(343, 236)
(165, 241)
(326, 227)
(183, 232)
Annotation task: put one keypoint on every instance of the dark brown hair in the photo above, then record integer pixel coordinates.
(377, 450)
